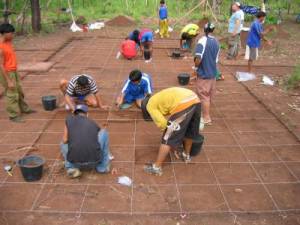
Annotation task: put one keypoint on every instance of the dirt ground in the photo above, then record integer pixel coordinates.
(247, 174)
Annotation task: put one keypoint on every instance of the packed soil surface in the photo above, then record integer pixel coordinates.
(247, 173)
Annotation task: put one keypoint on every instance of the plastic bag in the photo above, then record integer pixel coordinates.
(75, 28)
(124, 180)
(243, 76)
(267, 81)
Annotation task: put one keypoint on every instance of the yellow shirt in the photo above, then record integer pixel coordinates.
(191, 29)
(168, 102)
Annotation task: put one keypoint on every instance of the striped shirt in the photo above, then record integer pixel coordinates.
(75, 90)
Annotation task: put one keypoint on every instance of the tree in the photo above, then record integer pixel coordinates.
(35, 15)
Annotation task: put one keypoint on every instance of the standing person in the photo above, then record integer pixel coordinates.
(128, 49)
(206, 58)
(255, 35)
(136, 88)
(188, 35)
(176, 111)
(146, 39)
(85, 144)
(81, 89)
(9, 78)
(163, 20)
(236, 22)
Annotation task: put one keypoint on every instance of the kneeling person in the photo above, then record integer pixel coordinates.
(81, 89)
(129, 49)
(183, 108)
(136, 88)
(84, 145)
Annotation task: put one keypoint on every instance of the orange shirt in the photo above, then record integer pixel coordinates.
(9, 56)
(128, 49)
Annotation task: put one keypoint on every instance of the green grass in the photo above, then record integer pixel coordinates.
(294, 79)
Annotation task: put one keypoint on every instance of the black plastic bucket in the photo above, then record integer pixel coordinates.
(49, 102)
(183, 79)
(197, 145)
(176, 53)
(31, 167)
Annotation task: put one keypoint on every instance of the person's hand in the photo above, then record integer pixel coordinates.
(105, 107)
(233, 34)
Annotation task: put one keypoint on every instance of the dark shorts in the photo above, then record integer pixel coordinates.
(186, 126)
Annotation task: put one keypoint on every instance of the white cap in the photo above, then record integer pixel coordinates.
(238, 4)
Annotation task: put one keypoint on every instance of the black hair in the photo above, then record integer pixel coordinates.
(135, 36)
(135, 75)
(261, 14)
(209, 28)
(162, 2)
(185, 36)
(6, 28)
(83, 81)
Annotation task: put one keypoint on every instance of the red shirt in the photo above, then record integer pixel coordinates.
(128, 49)
(9, 56)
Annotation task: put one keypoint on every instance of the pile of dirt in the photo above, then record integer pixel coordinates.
(123, 21)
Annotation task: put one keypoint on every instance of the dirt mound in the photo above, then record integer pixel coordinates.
(124, 21)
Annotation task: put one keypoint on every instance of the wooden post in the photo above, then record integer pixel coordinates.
(35, 15)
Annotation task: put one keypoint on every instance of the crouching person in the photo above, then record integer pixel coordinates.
(182, 106)
(84, 145)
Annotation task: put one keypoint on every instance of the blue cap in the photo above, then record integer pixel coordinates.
(82, 108)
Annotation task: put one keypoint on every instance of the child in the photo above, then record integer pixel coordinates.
(135, 89)
(9, 78)
(128, 49)
(255, 35)
(146, 40)
(163, 20)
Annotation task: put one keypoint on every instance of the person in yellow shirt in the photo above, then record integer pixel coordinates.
(182, 107)
(188, 35)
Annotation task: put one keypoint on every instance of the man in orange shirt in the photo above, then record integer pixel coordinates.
(129, 49)
(15, 103)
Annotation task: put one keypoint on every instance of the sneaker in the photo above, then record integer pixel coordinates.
(73, 173)
(152, 169)
(17, 119)
(186, 157)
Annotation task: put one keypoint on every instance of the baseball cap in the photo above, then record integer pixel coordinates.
(82, 108)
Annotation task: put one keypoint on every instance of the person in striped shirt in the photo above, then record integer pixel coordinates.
(81, 89)
(136, 87)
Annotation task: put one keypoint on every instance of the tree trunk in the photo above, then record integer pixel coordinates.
(35, 15)
(5, 13)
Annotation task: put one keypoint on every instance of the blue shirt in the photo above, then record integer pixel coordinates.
(146, 36)
(207, 50)
(140, 89)
(254, 36)
(238, 15)
(163, 12)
